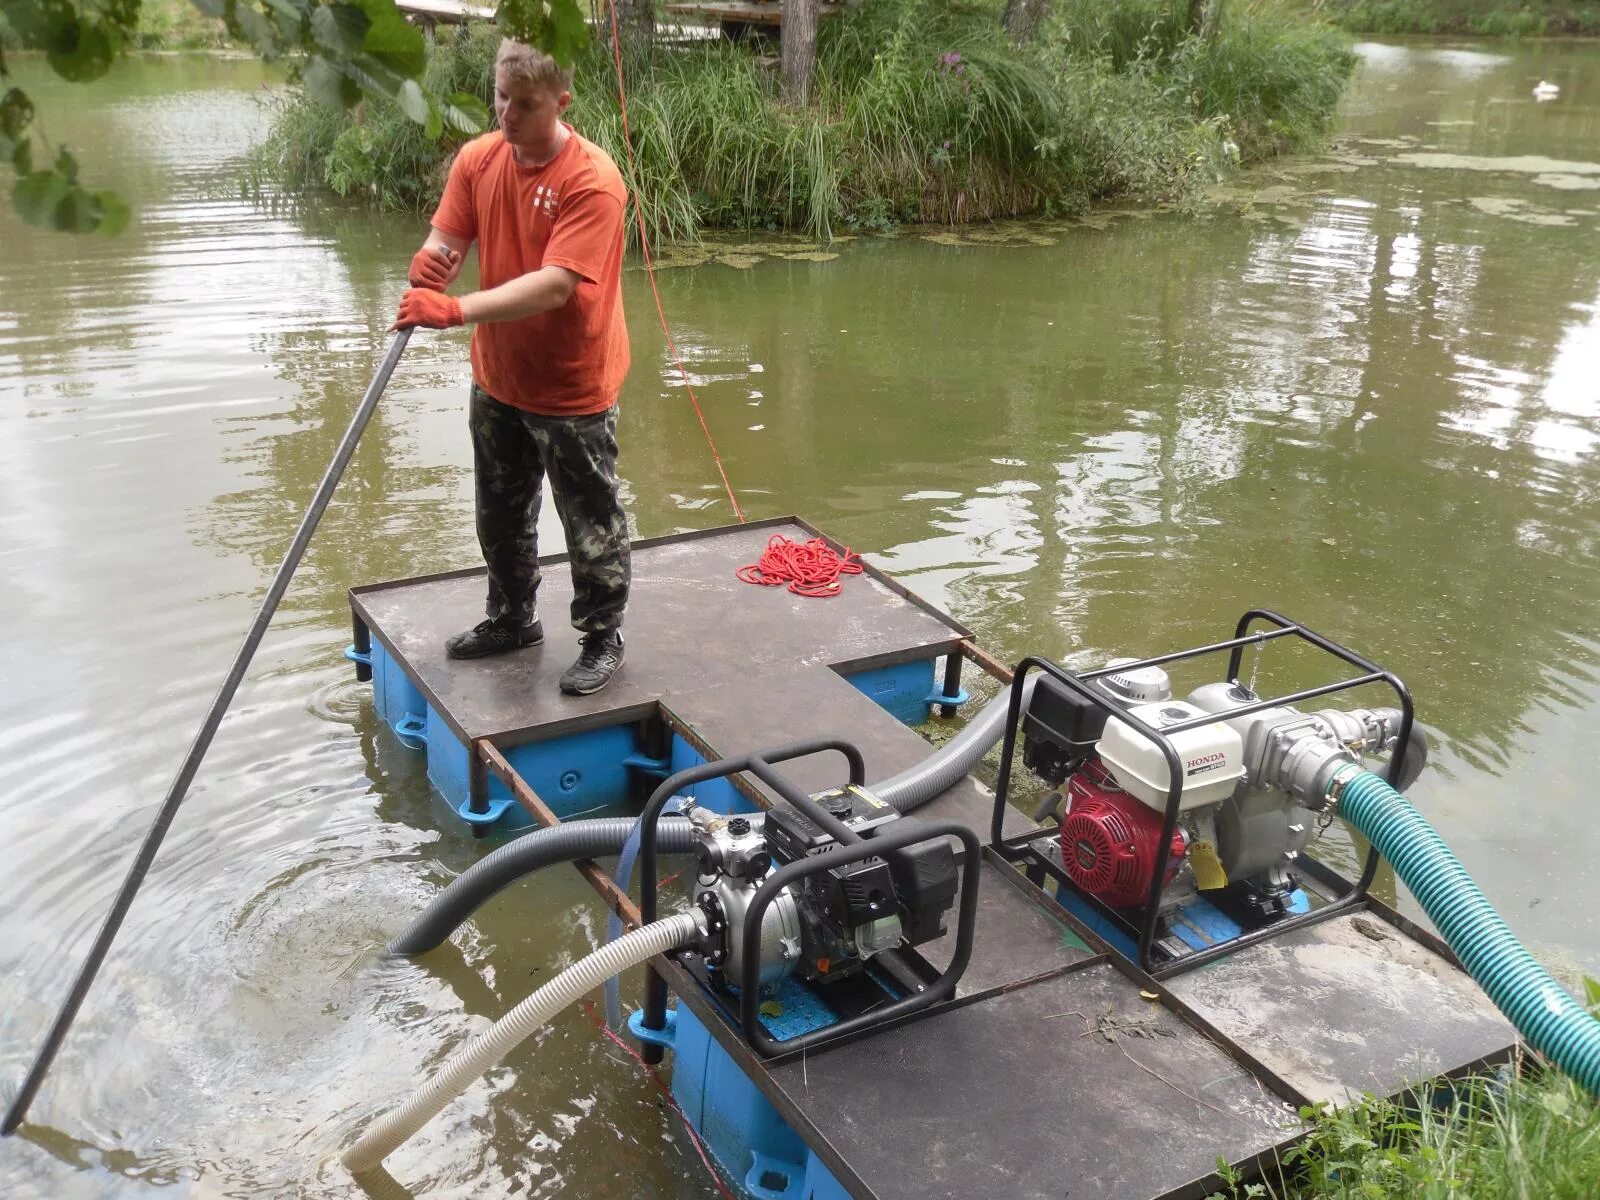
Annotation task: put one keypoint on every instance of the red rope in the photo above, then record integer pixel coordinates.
(588, 1007)
(650, 266)
(809, 568)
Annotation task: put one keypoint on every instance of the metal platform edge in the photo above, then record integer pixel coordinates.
(959, 643)
(727, 1034)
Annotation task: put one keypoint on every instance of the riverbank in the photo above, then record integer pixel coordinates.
(922, 112)
(162, 25)
(1473, 18)
(1533, 1133)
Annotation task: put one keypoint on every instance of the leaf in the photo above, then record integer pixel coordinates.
(22, 158)
(558, 27)
(327, 84)
(412, 102)
(391, 41)
(289, 18)
(569, 31)
(255, 27)
(339, 28)
(465, 113)
(1591, 991)
(78, 212)
(114, 213)
(771, 1008)
(80, 49)
(36, 195)
(435, 123)
(16, 114)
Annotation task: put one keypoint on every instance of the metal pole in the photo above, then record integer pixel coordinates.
(202, 742)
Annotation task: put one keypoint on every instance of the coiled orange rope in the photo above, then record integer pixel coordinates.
(809, 568)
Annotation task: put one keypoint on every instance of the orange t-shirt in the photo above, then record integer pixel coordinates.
(570, 361)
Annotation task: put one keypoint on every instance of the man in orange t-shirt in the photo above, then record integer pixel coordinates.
(549, 353)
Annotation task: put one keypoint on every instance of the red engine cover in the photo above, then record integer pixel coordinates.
(1109, 840)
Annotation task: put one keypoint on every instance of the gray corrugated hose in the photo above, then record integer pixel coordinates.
(567, 842)
(604, 836)
(387, 1134)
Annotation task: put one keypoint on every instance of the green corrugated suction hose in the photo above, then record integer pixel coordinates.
(1546, 1016)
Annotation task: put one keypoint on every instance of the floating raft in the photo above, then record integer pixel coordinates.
(1060, 1068)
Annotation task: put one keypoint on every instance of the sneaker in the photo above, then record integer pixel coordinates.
(597, 663)
(494, 636)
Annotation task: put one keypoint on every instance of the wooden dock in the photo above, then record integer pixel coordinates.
(715, 16)
(746, 12)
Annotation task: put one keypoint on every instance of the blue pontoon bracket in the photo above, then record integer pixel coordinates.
(665, 1037)
(936, 698)
(659, 767)
(412, 730)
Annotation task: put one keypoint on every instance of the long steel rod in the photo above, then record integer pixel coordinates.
(202, 742)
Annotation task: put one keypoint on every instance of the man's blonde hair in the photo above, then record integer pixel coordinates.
(518, 63)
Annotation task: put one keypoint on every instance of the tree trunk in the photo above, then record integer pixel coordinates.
(1022, 17)
(636, 20)
(799, 36)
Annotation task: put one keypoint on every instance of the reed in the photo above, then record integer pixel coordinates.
(923, 111)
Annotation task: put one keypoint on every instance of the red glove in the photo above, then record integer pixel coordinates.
(434, 267)
(433, 310)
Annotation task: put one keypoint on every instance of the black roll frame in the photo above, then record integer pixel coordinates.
(850, 847)
(1021, 848)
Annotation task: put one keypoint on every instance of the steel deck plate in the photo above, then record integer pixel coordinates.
(1348, 1006)
(1021, 1095)
(745, 668)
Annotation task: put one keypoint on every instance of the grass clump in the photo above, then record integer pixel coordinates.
(1536, 1135)
(1523, 1134)
(922, 111)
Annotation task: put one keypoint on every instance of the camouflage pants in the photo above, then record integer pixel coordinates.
(513, 451)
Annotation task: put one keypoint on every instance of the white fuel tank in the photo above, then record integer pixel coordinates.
(1212, 756)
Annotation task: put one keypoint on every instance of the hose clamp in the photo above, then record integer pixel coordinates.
(1341, 779)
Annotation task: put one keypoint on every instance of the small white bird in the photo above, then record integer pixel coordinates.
(1546, 91)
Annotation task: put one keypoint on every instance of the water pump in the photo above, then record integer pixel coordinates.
(832, 922)
(815, 892)
(1251, 788)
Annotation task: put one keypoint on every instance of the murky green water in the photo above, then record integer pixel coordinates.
(1364, 390)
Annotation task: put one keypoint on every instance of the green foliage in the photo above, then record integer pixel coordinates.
(1481, 18)
(380, 150)
(177, 25)
(922, 110)
(341, 50)
(1537, 1134)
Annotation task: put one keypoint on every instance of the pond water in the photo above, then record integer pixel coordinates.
(1361, 388)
